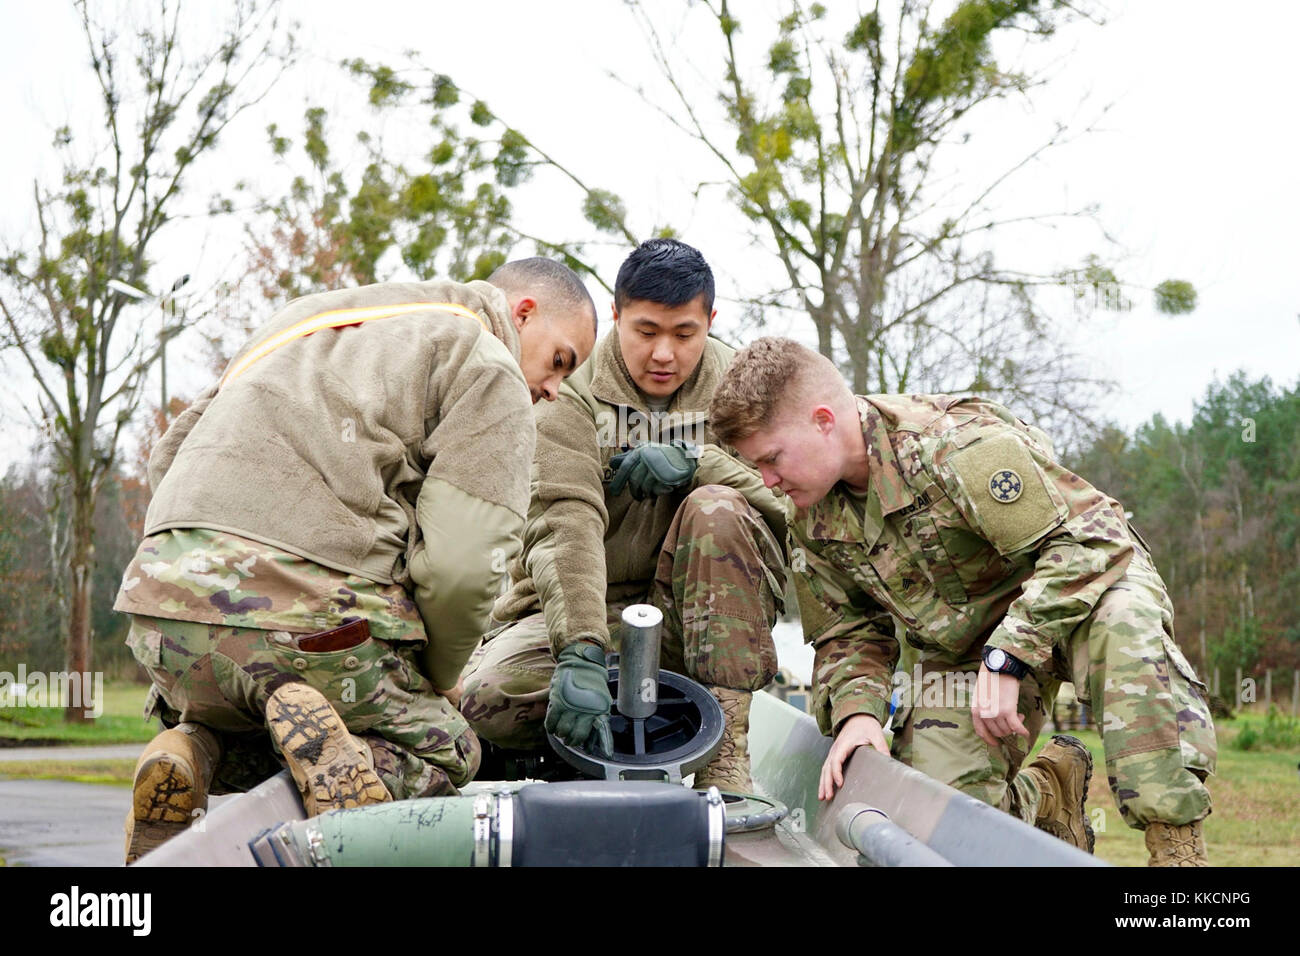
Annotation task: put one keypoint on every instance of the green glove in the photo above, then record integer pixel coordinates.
(654, 469)
(578, 711)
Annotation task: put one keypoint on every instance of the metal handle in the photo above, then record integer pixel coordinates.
(638, 662)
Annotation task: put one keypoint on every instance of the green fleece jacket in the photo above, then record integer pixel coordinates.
(584, 548)
(395, 449)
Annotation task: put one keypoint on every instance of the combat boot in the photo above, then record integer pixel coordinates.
(1172, 845)
(170, 790)
(729, 768)
(332, 768)
(1062, 771)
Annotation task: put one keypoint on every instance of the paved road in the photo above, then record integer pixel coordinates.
(101, 752)
(55, 823)
(58, 823)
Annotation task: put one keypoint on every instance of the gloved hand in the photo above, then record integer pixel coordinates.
(578, 711)
(654, 469)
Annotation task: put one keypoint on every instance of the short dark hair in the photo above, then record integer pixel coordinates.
(538, 274)
(666, 271)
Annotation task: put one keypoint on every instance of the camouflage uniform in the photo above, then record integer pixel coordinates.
(364, 457)
(709, 556)
(971, 534)
(717, 584)
(240, 607)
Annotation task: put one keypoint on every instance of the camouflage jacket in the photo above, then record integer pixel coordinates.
(969, 532)
(584, 547)
(388, 439)
(193, 574)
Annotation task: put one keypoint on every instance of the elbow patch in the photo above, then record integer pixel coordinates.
(1012, 503)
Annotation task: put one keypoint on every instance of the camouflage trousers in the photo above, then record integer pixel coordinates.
(719, 582)
(1149, 706)
(935, 734)
(221, 677)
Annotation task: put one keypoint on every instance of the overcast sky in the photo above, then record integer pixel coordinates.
(1195, 168)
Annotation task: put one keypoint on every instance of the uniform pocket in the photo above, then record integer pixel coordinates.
(1179, 663)
(145, 641)
(1197, 743)
(938, 563)
(352, 679)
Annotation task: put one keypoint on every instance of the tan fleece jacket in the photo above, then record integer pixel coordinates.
(395, 449)
(584, 548)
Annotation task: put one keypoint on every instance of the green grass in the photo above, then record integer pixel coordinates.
(120, 723)
(1254, 822)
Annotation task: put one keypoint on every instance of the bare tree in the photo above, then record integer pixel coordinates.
(164, 106)
(830, 146)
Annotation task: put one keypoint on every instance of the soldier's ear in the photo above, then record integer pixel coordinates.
(823, 418)
(523, 310)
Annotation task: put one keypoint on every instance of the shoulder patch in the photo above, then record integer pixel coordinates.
(1004, 487)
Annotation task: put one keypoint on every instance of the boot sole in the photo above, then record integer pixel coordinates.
(164, 797)
(329, 769)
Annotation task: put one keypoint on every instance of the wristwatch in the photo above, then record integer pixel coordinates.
(1000, 662)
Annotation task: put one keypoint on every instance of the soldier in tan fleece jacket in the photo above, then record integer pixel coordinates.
(632, 501)
(328, 529)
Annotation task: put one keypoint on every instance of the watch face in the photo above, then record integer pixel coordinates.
(997, 659)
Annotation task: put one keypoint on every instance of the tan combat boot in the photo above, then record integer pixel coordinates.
(332, 768)
(1176, 845)
(1063, 769)
(170, 791)
(729, 768)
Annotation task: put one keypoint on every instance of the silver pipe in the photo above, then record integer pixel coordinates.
(881, 841)
(638, 661)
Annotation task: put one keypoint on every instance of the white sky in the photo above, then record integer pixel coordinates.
(1195, 171)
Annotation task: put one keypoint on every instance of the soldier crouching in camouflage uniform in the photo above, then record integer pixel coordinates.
(950, 516)
(631, 502)
(322, 538)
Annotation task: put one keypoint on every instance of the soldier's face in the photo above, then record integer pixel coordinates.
(551, 346)
(662, 344)
(799, 454)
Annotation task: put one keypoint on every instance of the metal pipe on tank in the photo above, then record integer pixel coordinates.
(638, 661)
(881, 841)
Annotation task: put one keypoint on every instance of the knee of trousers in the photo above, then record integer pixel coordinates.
(504, 713)
(407, 774)
(718, 536)
(719, 511)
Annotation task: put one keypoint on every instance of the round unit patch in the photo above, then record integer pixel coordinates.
(1005, 486)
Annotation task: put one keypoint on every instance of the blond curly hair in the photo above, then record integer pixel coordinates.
(768, 376)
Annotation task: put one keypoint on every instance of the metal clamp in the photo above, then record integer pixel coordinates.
(717, 825)
(482, 830)
(505, 826)
(316, 845)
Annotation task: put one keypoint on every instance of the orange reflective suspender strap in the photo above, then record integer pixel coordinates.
(337, 318)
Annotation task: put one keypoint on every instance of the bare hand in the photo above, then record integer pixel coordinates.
(997, 697)
(858, 730)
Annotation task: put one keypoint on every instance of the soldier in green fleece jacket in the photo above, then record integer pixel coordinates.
(633, 501)
(326, 535)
